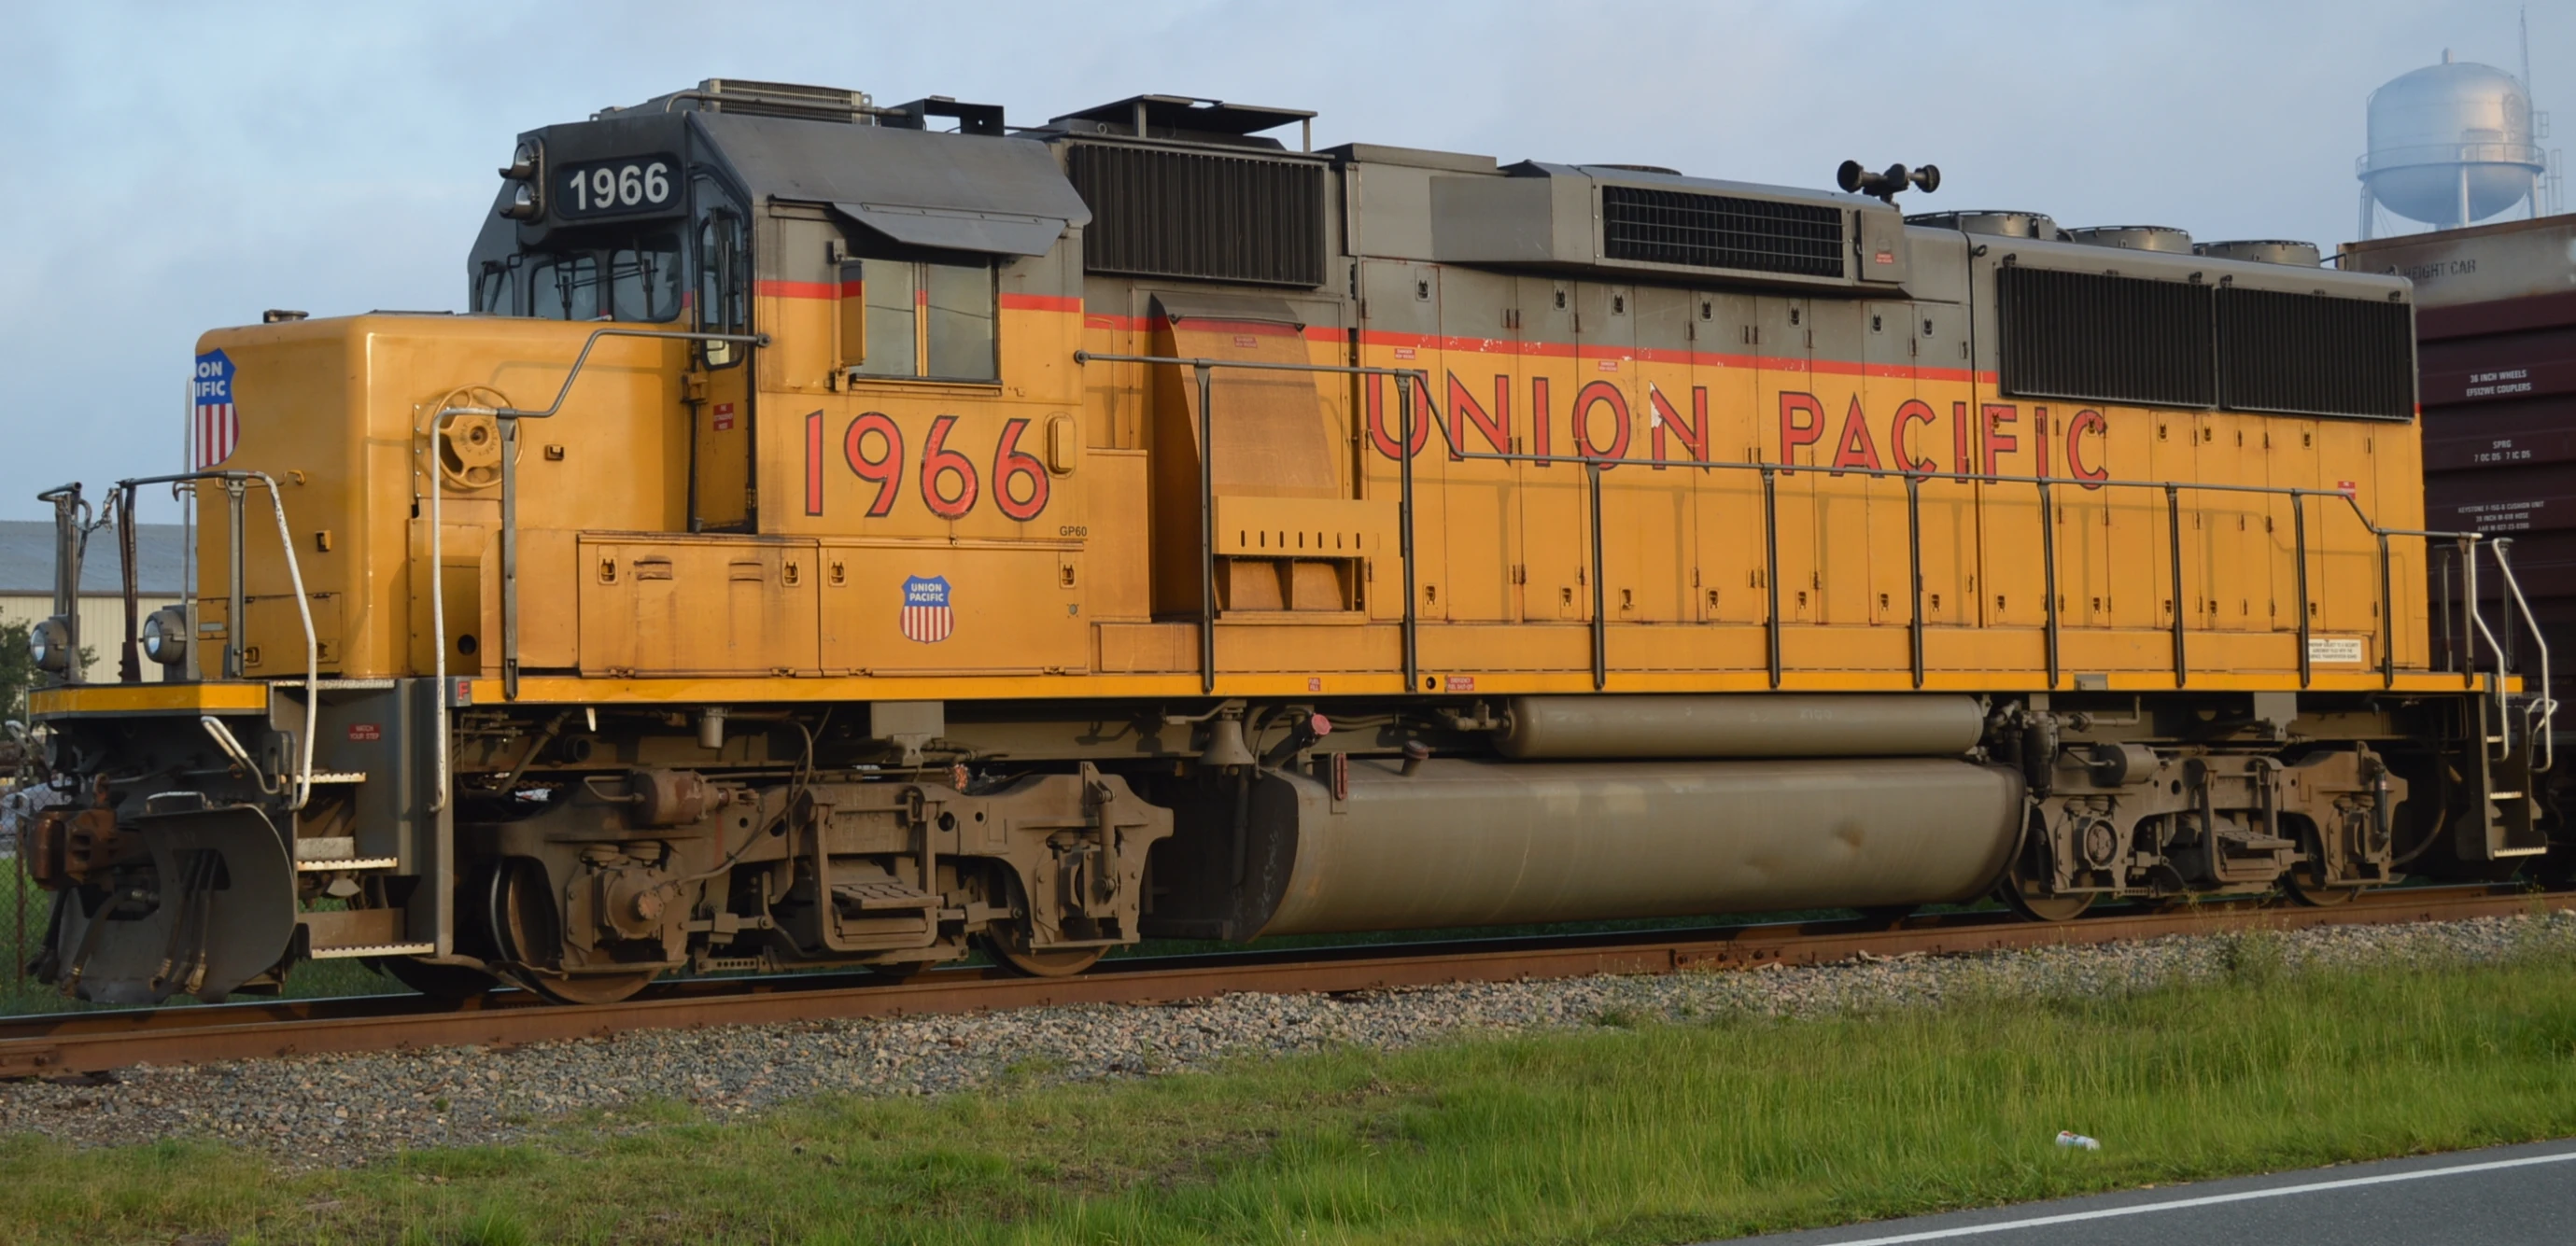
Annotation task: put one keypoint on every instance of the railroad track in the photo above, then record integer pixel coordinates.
(90, 1042)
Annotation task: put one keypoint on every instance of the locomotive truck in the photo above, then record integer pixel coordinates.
(850, 534)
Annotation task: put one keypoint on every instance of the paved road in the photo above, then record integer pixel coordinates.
(2503, 1196)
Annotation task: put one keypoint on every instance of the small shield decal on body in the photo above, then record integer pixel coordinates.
(926, 616)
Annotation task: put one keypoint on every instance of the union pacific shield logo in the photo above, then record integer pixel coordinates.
(217, 430)
(926, 616)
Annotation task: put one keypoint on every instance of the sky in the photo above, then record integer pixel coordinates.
(181, 168)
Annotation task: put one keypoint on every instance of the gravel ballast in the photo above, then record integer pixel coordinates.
(343, 1110)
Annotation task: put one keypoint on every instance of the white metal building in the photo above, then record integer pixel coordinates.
(27, 583)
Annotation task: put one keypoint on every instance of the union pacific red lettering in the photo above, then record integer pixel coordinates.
(1693, 436)
(1998, 442)
(1464, 411)
(1382, 434)
(1913, 411)
(2087, 421)
(1542, 433)
(1854, 448)
(1795, 432)
(1595, 394)
(883, 470)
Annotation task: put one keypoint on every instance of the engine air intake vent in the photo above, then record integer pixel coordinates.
(2099, 338)
(1645, 225)
(2300, 354)
(1157, 213)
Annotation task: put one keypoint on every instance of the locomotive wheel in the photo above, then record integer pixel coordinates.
(528, 930)
(2029, 896)
(1009, 944)
(2026, 899)
(2303, 880)
(2316, 897)
(588, 988)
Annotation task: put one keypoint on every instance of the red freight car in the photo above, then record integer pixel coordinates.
(2496, 328)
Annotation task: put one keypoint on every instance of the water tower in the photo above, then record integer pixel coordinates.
(2450, 144)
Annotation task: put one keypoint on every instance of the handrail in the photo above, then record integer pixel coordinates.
(1914, 578)
(236, 482)
(2544, 707)
(509, 418)
(2173, 544)
(129, 654)
(1600, 587)
(2048, 587)
(71, 539)
(2171, 488)
(1596, 464)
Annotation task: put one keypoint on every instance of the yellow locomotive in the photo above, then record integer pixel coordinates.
(851, 534)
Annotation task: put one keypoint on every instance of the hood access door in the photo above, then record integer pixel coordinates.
(1291, 535)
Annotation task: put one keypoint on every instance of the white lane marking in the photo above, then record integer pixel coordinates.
(2212, 1200)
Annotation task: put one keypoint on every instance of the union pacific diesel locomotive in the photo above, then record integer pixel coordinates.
(843, 534)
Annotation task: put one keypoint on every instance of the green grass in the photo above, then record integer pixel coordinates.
(1632, 1132)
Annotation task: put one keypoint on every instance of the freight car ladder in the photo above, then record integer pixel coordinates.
(2513, 726)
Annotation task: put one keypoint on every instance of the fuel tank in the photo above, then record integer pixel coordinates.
(1471, 842)
(1760, 725)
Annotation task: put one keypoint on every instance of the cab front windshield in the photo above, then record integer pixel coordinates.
(635, 279)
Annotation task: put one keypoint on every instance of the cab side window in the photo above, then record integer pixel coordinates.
(919, 317)
(723, 303)
(888, 296)
(957, 340)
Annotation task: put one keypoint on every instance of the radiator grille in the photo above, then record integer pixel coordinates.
(1722, 231)
(2302, 354)
(1184, 214)
(2106, 339)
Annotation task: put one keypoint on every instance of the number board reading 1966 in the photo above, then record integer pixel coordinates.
(635, 184)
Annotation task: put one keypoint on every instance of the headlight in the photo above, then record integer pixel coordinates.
(50, 644)
(523, 163)
(165, 635)
(523, 204)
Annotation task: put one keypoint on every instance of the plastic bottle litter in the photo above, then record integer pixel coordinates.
(2068, 1137)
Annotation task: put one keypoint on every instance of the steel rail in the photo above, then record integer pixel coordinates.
(89, 1042)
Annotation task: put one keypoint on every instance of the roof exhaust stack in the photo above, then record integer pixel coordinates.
(1886, 185)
